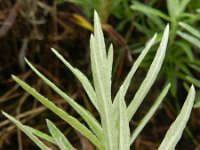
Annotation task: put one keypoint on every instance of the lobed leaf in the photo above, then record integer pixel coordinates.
(59, 138)
(85, 114)
(124, 130)
(102, 82)
(59, 112)
(130, 75)
(41, 135)
(134, 68)
(81, 77)
(151, 75)
(150, 113)
(23, 128)
(175, 131)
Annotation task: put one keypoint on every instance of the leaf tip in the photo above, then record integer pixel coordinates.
(13, 77)
(53, 50)
(167, 27)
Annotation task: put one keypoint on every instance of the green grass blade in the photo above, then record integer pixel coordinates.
(176, 129)
(183, 5)
(186, 48)
(58, 136)
(102, 82)
(172, 6)
(195, 67)
(124, 130)
(59, 112)
(190, 29)
(41, 135)
(150, 113)
(23, 128)
(197, 101)
(81, 77)
(86, 115)
(194, 81)
(151, 75)
(189, 38)
(148, 10)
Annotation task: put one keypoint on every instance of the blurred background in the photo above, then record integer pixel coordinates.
(29, 28)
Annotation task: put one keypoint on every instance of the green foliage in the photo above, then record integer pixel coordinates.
(182, 45)
(114, 132)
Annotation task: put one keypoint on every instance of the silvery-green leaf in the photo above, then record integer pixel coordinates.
(124, 131)
(39, 143)
(85, 114)
(59, 112)
(58, 136)
(176, 129)
(151, 75)
(102, 85)
(134, 68)
(150, 113)
(41, 135)
(110, 63)
(81, 77)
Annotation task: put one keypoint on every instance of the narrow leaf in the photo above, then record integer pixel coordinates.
(81, 77)
(190, 29)
(151, 75)
(148, 10)
(194, 81)
(59, 112)
(176, 129)
(110, 63)
(101, 78)
(124, 131)
(58, 136)
(134, 68)
(86, 115)
(186, 48)
(41, 135)
(39, 143)
(189, 38)
(150, 113)
(172, 6)
(183, 5)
